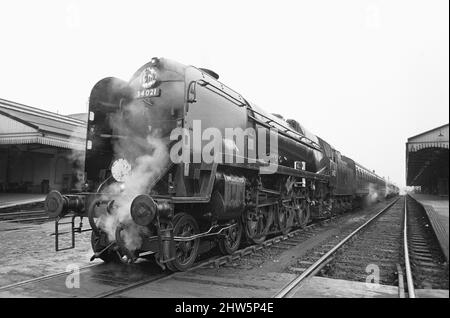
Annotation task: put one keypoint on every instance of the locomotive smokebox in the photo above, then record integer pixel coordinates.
(58, 205)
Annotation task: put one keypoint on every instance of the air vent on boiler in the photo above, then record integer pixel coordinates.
(210, 73)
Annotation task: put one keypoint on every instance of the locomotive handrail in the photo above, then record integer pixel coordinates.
(287, 171)
(101, 184)
(241, 103)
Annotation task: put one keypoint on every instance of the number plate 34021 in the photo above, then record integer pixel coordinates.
(149, 92)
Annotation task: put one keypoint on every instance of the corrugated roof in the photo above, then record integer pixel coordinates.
(42, 140)
(45, 121)
(428, 131)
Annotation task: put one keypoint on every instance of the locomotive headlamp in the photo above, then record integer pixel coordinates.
(120, 169)
(143, 209)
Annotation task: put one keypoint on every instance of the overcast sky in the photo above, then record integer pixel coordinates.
(363, 75)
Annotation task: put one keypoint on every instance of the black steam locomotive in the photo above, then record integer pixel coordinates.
(176, 163)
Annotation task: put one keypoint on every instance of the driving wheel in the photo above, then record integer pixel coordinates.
(184, 225)
(231, 239)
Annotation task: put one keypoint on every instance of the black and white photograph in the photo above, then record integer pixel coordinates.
(222, 154)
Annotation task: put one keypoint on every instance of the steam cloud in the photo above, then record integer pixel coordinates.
(389, 190)
(372, 197)
(147, 152)
(76, 156)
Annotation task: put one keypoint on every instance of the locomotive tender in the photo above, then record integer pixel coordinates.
(142, 203)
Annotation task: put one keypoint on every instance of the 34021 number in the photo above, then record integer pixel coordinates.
(150, 92)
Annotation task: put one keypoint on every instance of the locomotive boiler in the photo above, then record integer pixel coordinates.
(176, 162)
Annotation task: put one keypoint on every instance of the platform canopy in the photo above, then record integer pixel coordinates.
(427, 160)
(21, 124)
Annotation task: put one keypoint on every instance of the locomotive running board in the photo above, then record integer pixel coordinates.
(285, 171)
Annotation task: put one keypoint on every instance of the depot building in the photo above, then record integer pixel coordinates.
(40, 150)
(427, 161)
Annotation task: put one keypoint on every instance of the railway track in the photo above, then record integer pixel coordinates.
(217, 278)
(107, 280)
(96, 280)
(280, 242)
(388, 244)
(115, 280)
(429, 269)
(25, 213)
(197, 275)
(35, 216)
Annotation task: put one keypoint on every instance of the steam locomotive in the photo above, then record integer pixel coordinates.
(159, 186)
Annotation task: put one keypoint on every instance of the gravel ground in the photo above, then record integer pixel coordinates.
(375, 252)
(28, 251)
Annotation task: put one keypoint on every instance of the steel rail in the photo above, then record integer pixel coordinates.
(292, 286)
(122, 289)
(42, 218)
(21, 213)
(409, 278)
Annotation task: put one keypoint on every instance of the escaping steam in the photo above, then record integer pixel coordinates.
(76, 156)
(389, 190)
(147, 152)
(372, 197)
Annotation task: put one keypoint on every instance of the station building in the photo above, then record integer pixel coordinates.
(427, 161)
(40, 150)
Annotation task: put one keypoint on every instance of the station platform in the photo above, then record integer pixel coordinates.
(10, 200)
(436, 208)
(322, 287)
